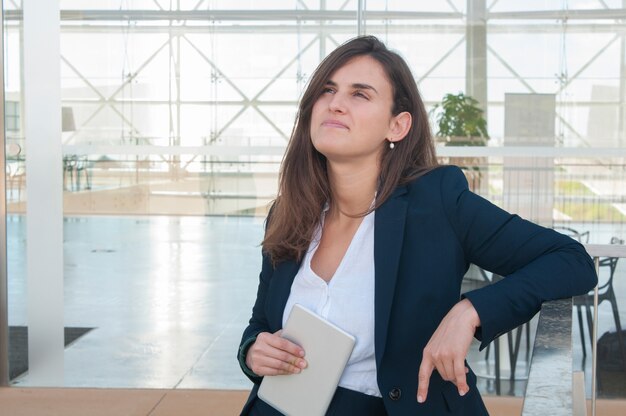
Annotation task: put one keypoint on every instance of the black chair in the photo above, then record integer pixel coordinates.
(512, 344)
(605, 292)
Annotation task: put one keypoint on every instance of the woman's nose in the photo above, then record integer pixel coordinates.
(337, 103)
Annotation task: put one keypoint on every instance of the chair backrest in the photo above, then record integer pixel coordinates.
(611, 263)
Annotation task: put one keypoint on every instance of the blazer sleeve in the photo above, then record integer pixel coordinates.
(539, 264)
(258, 321)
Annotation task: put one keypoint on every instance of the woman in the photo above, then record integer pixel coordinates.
(370, 233)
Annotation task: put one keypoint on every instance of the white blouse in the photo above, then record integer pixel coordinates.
(347, 301)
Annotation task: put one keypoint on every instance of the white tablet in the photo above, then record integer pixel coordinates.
(327, 349)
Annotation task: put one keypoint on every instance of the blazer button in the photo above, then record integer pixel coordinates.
(395, 393)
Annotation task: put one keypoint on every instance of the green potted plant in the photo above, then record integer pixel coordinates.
(460, 122)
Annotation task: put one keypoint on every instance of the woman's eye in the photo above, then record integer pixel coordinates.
(328, 91)
(360, 95)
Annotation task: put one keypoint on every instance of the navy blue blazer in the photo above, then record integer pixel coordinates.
(425, 237)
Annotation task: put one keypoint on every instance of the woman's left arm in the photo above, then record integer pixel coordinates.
(539, 265)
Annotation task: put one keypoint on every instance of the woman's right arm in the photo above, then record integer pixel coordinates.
(262, 353)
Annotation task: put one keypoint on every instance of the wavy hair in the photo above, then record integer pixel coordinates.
(304, 186)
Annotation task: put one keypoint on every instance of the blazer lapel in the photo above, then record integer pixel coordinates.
(280, 287)
(388, 239)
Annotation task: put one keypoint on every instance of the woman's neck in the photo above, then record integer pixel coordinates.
(353, 189)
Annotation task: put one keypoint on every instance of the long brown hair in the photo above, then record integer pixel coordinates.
(304, 186)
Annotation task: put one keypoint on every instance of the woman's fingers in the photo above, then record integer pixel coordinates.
(447, 348)
(280, 343)
(273, 355)
(273, 367)
(447, 365)
(283, 356)
(459, 377)
(423, 379)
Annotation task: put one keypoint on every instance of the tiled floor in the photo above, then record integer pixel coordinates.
(121, 402)
(169, 297)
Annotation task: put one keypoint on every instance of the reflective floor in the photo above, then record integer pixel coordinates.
(168, 298)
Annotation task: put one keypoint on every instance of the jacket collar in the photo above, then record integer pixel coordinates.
(388, 240)
(278, 293)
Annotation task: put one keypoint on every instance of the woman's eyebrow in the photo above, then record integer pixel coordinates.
(356, 86)
(360, 86)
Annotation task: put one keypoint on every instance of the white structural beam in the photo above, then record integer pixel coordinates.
(291, 15)
(622, 90)
(476, 52)
(443, 151)
(4, 301)
(322, 26)
(44, 185)
(335, 15)
(294, 15)
(360, 18)
(561, 14)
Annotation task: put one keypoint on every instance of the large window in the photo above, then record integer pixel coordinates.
(176, 115)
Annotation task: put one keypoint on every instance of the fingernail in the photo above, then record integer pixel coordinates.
(462, 392)
(302, 364)
(420, 399)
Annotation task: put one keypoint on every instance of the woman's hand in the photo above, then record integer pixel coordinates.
(447, 349)
(272, 355)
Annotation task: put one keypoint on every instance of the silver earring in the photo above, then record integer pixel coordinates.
(391, 145)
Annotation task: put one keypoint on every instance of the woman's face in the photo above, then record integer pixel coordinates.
(352, 118)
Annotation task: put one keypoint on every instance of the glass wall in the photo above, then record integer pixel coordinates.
(166, 102)
(175, 117)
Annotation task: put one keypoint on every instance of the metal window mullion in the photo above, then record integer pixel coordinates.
(594, 344)
(360, 17)
(621, 141)
(4, 306)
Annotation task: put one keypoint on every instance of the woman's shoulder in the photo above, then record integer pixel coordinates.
(440, 176)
